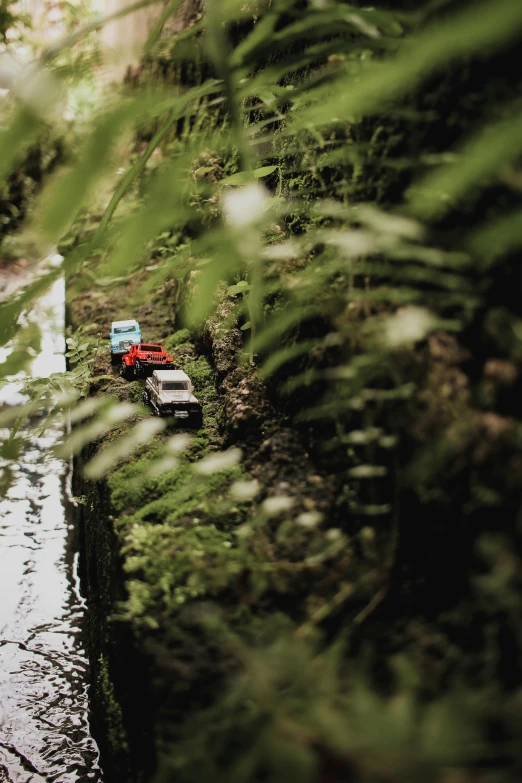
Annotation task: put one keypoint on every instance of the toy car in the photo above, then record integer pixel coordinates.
(123, 334)
(169, 393)
(143, 359)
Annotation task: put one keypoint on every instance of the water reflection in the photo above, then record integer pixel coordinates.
(44, 729)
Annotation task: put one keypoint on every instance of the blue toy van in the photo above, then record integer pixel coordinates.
(123, 335)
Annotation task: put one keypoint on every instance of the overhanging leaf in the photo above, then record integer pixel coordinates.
(105, 459)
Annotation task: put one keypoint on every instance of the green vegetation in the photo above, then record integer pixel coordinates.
(319, 217)
(116, 738)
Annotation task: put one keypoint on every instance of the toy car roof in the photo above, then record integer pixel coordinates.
(129, 322)
(171, 375)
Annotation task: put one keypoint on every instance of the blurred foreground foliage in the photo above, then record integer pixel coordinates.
(344, 184)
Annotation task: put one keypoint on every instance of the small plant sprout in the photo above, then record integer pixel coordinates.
(161, 466)
(245, 490)
(277, 504)
(243, 206)
(408, 325)
(222, 460)
(334, 534)
(309, 519)
(179, 443)
(140, 434)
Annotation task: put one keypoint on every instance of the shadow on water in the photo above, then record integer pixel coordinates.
(44, 719)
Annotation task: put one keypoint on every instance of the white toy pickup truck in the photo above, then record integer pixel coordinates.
(169, 393)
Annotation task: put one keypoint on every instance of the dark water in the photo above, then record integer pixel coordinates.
(44, 720)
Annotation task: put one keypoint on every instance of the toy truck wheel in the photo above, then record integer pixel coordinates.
(145, 398)
(114, 357)
(137, 370)
(196, 419)
(124, 370)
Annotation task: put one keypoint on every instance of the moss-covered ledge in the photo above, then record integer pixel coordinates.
(167, 554)
(138, 537)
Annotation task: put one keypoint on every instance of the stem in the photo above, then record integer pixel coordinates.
(254, 301)
(252, 317)
(320, 614)
(219, 51)
(157, 29)
(131, 175)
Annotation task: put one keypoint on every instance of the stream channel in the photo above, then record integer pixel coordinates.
(44, 671)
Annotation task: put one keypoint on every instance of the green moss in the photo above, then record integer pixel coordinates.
(202, 376)
(179, 544)
(116, 737)
(127, 485)
(135, 391)
(176, 339)
(176, 528)
(178, 563)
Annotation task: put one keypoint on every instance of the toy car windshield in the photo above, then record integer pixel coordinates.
(151, 348)
(124, 329)
(174, 386)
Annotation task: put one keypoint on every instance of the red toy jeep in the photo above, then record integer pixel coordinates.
(143, 359)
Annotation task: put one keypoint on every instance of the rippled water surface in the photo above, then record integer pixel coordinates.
(44, 726)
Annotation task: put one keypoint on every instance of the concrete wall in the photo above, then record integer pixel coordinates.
(123, 39)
